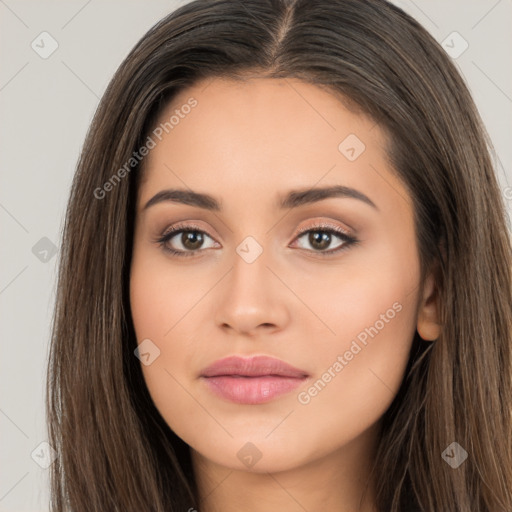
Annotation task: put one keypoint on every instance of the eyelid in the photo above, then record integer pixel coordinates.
(183, 226)
(324, 225)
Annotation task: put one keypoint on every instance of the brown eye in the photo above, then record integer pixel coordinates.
(184, 241)
(192, 240)
(320, 238)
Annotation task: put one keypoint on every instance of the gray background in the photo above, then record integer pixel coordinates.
(46, 106)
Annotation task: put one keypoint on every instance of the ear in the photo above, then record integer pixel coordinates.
(428, 325)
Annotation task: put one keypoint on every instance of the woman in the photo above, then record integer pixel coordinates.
(285, 274)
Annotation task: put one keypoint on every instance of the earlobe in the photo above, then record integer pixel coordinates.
(428, 325)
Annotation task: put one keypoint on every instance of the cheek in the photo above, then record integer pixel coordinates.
(371, 307)
(359, 376)
(162, 295)
(160, 302)
(163, 307)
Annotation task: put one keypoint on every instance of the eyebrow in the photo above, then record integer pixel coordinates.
(293, 199)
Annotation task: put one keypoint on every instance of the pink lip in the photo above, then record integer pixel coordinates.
(252, 380)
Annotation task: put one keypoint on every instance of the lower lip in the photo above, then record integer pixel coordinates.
(252, 390)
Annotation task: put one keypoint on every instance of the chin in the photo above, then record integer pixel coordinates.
(257, 454)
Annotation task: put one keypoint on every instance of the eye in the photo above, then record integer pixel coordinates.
(188, 240)
(320, 237)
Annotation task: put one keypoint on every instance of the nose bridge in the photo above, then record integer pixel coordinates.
(251, 297)
(250, 272)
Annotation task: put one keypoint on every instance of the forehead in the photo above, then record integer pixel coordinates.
(268, 103)
(262, 134)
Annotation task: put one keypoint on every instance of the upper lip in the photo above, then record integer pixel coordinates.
(256, 366)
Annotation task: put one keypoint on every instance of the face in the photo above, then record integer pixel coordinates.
(267, 265)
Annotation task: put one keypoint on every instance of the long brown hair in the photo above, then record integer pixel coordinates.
(115, 451)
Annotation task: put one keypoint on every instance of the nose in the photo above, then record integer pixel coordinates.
(251, 299)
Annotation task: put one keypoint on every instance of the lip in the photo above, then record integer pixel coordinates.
(253, 380)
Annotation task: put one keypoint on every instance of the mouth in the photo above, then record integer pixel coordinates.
(252, 380)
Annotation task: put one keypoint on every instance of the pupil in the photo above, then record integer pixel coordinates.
(320, 239)
(192, 239)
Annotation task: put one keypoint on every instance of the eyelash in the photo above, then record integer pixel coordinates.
(323, 228)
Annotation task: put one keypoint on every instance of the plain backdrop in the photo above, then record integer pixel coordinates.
(46, 105)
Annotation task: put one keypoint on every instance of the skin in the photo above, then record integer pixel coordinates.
(248, 144)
